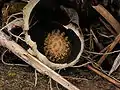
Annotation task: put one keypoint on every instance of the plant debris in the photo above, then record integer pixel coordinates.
(94, 25)
(57, 46)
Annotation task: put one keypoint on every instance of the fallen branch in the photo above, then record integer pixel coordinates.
(109, 49)
(28, 58)
(111, 20)
(107, 26)
(110, 79)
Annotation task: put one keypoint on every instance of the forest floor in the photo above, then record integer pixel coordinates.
(14, 77)
(23, 78)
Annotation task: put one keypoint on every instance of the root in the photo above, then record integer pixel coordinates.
(17, 37)
(13, 15)
(82, 65)
(10, 64)
(36, 78)
(102, 53)
(50, 82)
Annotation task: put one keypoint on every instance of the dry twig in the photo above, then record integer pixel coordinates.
(113, 22)
(100, 46)
(109, 49)
(110, 79)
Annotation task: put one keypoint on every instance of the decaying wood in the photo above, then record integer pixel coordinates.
(28, 58)
(76, 29)
(27, 11)
(47, 62)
